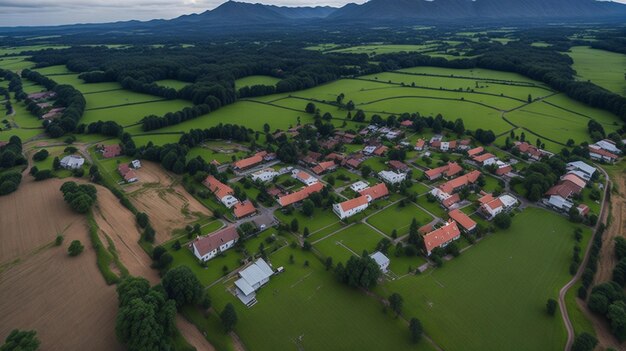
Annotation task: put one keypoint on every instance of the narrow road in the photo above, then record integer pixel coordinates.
(564, 313)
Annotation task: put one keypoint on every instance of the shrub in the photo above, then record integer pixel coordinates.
(75, 249)
(59, 240)
(41, 155)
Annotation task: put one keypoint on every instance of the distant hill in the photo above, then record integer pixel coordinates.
(461, 9)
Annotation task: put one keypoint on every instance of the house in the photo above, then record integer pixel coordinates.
(311, 158)
(368, 150)
(300, 195)
(72, 162)
(136, 164)
(252, 279)
(463, 220)
(398, 166)
(381, 150)
(250, 162)
(110, 151)
(375, 192)
(53, 113)
(441, 237)
(304, 177)
(559, 203)
(222, 192)
(208, 247)
(244, 209)
(583, 170)
(529, 150)
(381, 260)
(419, 145)
(491, 207)
(42, 96)
(354, 162)
(608, 145)
(464, 145)
(571, 177)
(565, 189)
(446, 146)
(583, 210)
(476, 151)
(264, 175)
(599, 154)
(351, 207)
(449, 170)
(485, 159)
(458, 183)
(392, 177)
(324, 167)
(406, 124)
(358, 186)
(503, 169)
(127, 173)
(450, 201)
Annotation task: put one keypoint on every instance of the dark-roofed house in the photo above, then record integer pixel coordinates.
(398, 166)
(127, 173)
(375, 192)
(207, 247)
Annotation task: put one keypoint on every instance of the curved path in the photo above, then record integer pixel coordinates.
(564, 313)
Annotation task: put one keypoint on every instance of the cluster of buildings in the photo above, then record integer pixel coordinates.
(560, 197)
(225, 194)
(438, 143)
(127, 171)
(447, 193)
(109, 151)
(72, 162)
(605, 151)
(48, 111)
(531, 151)
(253, 161)
(486, 159)
(367, 195)
(491, 206)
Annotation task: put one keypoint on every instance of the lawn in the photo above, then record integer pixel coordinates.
(609, 74)
(85, 88)
(351, 320)
(53, 70)
(320, 219)
(255, 80)
(157, 139)
(209, 155)
(214, 270)
(117, 98)
(399, 218)
(351, 241)
(432, 207)
(478, 73)
(500, 284)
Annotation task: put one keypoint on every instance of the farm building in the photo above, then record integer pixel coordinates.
(599, 154)
(300, 195)
(381, 150)
(557, 202)
(252, 279)
(375, 192)
(244, 209)
(441, 237)
(222, 192)
(392, 177)
(207, 247)
(583, 210)
(127, 173)
(72, 162)
(110, 151)
(531, 151)
(503, 168)
(264, 175)
(608, 145)
(381, 260)
(304, 177)
(458, 183)
(349, 208)
(449, 170)
(463, 220)
(250, 162)
(581, 169)
(491, 207)
(136, 164)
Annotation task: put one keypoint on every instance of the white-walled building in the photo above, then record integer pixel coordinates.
(136, 164)
(304, 177)
(609, 146)
(392, 177)
(349, 208)
(208, 247)
(381, 260)
(252, 279)
(358, 186)
(72, 162)
(265, 175)
(492, 207)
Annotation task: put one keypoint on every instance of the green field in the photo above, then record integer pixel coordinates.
(255, 80)
(351, 241)
(384, 49)
(329, 316)
(172, 83)
(399, 218)
(603, 68)
(85, 88)
(53, 70)
(117, 98)
(319, 220)
(15, 63)
(132, 114)
(501, 284)
(12, 50)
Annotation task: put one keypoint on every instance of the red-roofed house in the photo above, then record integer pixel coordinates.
(244, 209)
(463, 220)
(419, 146)
(458, 183)
(529, 150)
(485, 159)
(375, 192)
(349, 208)
(476, 151)
(127, 173)
(222, 192)
(451, 201)
(207, 247)
(110, 151)
(398, 166)
(441, 237)
(250, 161)
(381, 150)
(565, 189)
(583, 210)
(324, 167)
(506, 169)
(599, 154)
(449, 170)
(492, 207)
(574, 179)
(304, 177)
(300, 195)
(407, 123)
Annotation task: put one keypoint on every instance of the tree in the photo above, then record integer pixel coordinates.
(308, 207)
(502, 220)
(310, 108)
(294, 225)
(75, 249)
(41, 155)
(142, 219)
(415, 327)
(366, 171)
(182, 285)
(21, 341)
(551, 306)
(617, 316)
(229, 318)
(584, 342)
(396, 302)
(328, 263)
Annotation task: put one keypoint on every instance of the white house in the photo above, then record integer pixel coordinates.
(498, 205)
(72, 162)
(349, 208)
(368, 150)
(136, 164)
(381, 260)
(251, 280)
(265, 175)
(586, 170)
(304, 177)
(358, 186)
(229, 201)
(208, 247)
(392, 177)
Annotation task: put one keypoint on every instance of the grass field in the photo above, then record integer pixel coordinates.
(609, 74)
(53, 70)
(132, 114)
(85, 88)
(351, 241)
(255, 80)
(329, 316)
(172, 83)
(399, 218)
(117, 98)
(384, 49)
(9, 50)
(500, 284)
(317, 221)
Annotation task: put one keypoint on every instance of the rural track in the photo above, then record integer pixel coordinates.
(563, 308)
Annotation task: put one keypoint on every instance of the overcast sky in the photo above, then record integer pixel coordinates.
(52, 12)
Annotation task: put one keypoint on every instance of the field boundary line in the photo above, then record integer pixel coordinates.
(331, 234)
(129, 104)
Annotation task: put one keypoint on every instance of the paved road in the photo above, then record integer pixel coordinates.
(564, 314)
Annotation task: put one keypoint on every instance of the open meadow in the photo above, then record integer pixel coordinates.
(609, 74)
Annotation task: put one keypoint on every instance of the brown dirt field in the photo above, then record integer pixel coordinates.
(64, 299)
(118, 223)
(164, 200)
(193, 336)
